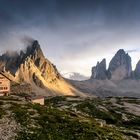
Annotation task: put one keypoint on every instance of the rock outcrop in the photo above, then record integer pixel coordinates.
(9, 61)
(99, 71)
(117, 80)
(34, 58)
(120, 66)
(137, 71)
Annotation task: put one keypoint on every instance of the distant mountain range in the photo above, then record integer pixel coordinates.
(31, 66)
(75, 76)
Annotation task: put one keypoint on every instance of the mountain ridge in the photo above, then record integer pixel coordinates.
(120, 68)
(32, 67)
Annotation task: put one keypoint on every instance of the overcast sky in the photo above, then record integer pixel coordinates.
(74, 34)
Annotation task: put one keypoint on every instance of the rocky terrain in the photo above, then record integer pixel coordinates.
(68, 118)
(30, 67)
(117, 80)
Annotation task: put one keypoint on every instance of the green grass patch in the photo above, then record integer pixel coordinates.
(2, 112)
(111, 117)
(21, 114)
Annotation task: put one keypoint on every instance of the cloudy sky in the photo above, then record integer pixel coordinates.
(74, 34)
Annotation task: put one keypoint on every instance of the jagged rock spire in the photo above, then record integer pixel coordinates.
(120, 66)
(99, 71)
(137, 71)
(36, 54)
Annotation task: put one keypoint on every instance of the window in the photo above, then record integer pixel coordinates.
(1, 77)
(5, 88)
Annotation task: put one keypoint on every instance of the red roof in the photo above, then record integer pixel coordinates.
(5, 75)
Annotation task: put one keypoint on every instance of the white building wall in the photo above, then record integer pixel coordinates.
(39, 101)
(4, 84)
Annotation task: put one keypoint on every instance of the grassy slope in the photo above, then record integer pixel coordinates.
(63, 118)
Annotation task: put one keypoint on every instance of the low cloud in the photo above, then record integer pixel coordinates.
(133, 50)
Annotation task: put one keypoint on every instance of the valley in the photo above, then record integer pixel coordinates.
(104, 107)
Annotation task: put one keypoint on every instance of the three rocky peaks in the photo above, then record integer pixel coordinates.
(119, 68)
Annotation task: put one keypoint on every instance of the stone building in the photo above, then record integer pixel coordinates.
(4, 85)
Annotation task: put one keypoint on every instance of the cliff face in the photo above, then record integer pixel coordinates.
(119, 68)
(32, 67)
(99, 71)
(34, 58)
(137, 71)
(9, 61)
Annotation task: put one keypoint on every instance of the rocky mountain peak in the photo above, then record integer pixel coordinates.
(36, 57)
(120, 52)
(34, 52)
(120, 66)
(99, 71)
(34, 49)
(137, 71)
(31, 67)
(9, 61)
(119, 59)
